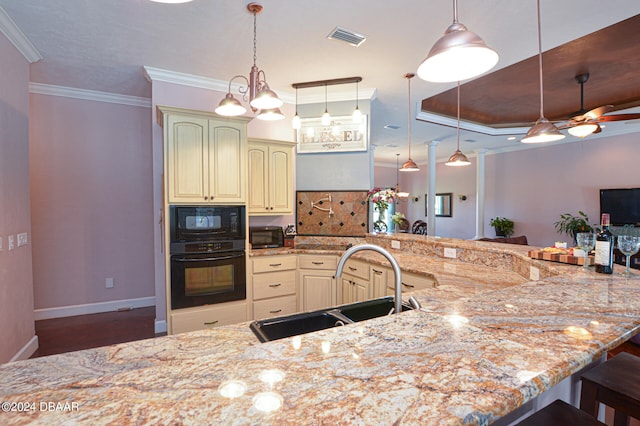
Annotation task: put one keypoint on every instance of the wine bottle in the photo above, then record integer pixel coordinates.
(604, 247)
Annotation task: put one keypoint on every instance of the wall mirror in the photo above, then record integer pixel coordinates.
(443, 204)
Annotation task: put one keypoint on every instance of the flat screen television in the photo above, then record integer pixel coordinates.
(623, 204)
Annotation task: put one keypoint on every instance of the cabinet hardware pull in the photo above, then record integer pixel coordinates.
(275, 264)
(377, 272)
(276, 311)
(351, 268)
(408, 285)
(211, 323)
(275, 285)
(318, 263)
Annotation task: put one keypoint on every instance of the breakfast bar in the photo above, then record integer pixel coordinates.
(476, 352)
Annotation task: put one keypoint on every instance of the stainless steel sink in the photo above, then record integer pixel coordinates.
(293, 325)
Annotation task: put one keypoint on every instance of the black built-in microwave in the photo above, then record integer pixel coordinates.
(206, 223)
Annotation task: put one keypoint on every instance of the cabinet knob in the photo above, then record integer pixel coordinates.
(266, 208)
(206, 198)
(270, 208)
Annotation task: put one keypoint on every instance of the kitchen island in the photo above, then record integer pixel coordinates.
(473, 354)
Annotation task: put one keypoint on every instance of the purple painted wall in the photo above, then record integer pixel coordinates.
(91, 201)
(16, 280)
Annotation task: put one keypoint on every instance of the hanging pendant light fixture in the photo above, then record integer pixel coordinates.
(356, 117)
(398, 192)
(326, 117)
(543, 130)
(295, 122)
(458, 55)
(409, 165)
(458, 158)
(257, 91)
(271, 114)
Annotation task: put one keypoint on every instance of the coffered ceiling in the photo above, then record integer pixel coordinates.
(103, 46)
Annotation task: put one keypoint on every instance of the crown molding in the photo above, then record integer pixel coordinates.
(17, 38)
(90, 95)
(156, 74)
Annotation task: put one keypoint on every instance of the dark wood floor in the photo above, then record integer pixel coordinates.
(68, 334)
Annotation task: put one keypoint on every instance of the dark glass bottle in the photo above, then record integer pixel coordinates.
(604, 247)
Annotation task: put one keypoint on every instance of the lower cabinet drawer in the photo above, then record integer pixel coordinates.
(309, 261)
(274, 284)
(209, 316)
(274, 307)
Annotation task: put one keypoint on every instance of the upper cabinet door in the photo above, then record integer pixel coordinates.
(187, 141)
(281, 189)
(258, 198)
(227, 162)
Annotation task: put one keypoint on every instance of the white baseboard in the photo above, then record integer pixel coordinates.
(160, 326)
(27, 350)
(93, 308)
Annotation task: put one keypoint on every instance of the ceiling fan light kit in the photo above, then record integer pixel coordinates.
(583, 130)
(458, 55)
(260, 96)
(544, 130)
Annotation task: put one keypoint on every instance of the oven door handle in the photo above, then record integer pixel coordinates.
(206, 259)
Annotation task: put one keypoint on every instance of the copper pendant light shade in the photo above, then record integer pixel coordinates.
(543, 130)
(409, 165)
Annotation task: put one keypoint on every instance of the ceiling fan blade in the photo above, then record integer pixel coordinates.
(595, 113)
(619, 117)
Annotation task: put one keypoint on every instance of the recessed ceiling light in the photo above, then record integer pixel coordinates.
(391, 127)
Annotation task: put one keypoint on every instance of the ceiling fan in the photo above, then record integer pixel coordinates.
(585, 122)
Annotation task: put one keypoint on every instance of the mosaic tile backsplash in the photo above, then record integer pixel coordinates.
(336, 213)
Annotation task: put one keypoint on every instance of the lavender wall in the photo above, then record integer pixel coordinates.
(532, 187)
(16, 280)
(91, 201)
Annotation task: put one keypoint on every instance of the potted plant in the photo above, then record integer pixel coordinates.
(503, 226)
(571, 225)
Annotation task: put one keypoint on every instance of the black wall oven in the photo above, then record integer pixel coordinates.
(208, 259)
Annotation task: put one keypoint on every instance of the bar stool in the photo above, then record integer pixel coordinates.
(559, 413)
(615, 383)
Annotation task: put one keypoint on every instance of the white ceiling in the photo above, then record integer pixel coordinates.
(103, 45)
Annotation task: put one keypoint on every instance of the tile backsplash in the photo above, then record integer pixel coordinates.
(335, 213)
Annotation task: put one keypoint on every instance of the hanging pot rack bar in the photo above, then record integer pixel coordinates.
(332, 82)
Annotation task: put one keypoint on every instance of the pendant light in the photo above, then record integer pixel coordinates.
(326, 118)
(458, 158)
(458, 55)
(260, 96)
(409, 165)
(271, 114)
(356, 117)
(295, 122)
(398, 192)
(543, 130)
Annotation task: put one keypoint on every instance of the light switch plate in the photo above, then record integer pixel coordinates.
(534, 273)
(450, 252)
(108, 282)
(0, 243)
(22, 239)
(395, 244)
(10, 242)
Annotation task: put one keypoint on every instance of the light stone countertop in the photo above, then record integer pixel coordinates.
(486, 341)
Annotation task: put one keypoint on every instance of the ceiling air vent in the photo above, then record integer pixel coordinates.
(342, 34)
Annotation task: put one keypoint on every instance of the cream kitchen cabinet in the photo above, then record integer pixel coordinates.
(270, 174)
(316, 281)
(355, 285)
(205, 156)
(410, 282)
(274, 286)
(208, 316)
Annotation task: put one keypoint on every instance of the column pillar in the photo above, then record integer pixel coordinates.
(480, 186)
(431, 192)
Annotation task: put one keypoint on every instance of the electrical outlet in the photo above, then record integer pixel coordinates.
(395, 244)
(450, 252)
(108, 283)
(22, 239)
(10, 243)
(534, 273)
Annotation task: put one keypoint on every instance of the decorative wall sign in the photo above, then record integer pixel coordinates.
(335, 213)
(342, 135)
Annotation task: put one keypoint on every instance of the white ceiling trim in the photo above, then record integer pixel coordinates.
(17, 38)
(90, 95)
(156, 74)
